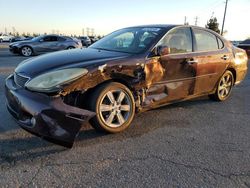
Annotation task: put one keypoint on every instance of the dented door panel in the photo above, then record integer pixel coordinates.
(169, 78)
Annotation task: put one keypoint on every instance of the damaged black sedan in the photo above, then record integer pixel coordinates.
(129, 71)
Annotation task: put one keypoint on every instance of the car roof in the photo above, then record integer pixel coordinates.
(171, 26)
(167, 26)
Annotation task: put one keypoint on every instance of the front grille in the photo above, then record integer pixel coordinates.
(20, 80)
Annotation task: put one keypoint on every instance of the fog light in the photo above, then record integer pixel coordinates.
(33, 121)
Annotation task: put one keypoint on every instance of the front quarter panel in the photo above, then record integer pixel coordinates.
(130, 71)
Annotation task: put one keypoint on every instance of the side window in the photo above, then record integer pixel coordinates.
(46, 39)
(53, 38)
(178, 40)
(50, 39)
(205, 40)
(61, 39)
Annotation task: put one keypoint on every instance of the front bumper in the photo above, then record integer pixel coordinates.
(14, 49)
(45, 116)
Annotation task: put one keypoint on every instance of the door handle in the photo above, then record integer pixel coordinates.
(191, 61)
(225, 57)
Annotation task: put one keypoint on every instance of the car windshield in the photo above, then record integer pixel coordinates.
(37, 38)
(129, 40)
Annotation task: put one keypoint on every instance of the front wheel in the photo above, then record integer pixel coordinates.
(70, 48)
(26, 51)
(114, 106)
(224, 87)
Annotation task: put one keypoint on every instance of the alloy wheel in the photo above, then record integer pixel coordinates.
(115, 108)
(26, 51)
(225, 86)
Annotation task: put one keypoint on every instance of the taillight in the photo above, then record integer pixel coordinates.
(241, 57)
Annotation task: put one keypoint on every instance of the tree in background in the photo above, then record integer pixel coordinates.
(35, 34)
(213, 25)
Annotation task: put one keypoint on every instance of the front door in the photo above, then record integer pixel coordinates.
(172, 77)
(47, 44)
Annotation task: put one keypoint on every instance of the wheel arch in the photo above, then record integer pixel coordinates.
(70, 46)
(233, 72)
(119, 80)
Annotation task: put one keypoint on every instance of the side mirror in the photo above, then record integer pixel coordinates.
(162, 50)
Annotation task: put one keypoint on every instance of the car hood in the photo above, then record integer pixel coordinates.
(80, 58)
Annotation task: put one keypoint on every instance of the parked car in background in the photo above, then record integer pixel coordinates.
(93, 39)
(6, 38)
(43, 44)
(246, 46)
(131, 70)
(21, 38)
(236, 42)
(85, 41)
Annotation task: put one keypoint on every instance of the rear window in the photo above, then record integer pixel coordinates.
(205, 40)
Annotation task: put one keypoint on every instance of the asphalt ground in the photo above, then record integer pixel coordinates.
(198, 143)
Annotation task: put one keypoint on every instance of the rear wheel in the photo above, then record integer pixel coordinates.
(224, 87)
(114, 106)
(26, 51)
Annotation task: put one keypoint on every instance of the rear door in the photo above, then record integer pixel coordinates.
(212, 60)
(62, 43)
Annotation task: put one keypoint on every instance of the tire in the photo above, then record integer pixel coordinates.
(114, 106)
(224, 87)
(1, 40)
(26, 51)
(70, 48)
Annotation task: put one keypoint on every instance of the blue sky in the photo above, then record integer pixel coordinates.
(70, 16)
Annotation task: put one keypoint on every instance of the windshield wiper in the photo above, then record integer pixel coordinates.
(103, 49)
(112, 50)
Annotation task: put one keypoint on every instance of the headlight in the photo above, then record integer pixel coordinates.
(51, 81)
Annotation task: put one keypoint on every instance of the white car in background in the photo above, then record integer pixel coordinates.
(6, 38)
